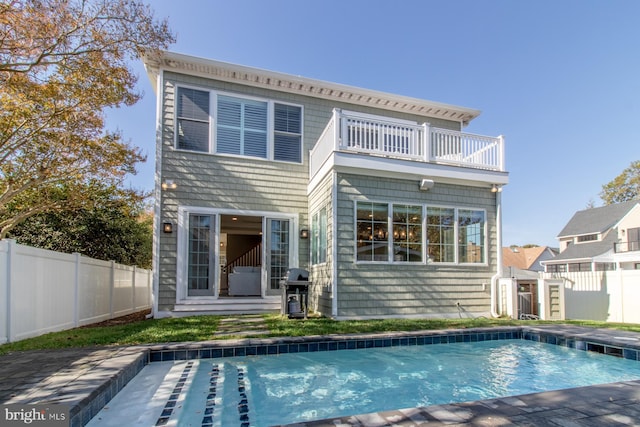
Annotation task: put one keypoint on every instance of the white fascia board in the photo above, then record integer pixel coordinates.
(359, 164)
(256, 77)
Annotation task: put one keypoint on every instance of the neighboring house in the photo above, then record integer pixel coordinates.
(599, 263)
(527, 258)
(522, 266)
(390, 206)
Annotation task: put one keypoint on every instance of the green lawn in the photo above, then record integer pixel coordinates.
(201, 328)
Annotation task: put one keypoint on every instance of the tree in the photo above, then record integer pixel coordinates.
(624, 187)
(118, 227)
(62, 62)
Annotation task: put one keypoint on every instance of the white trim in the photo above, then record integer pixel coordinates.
(386, 167)
(157, 208)
(213, 119)
(286, 83)
(424, 242)
(334, 245)
(182, 246)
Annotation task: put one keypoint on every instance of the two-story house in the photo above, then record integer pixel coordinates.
(599, 263)
(600, 239)
(390, 206)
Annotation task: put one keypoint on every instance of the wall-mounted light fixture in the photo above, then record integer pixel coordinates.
(169, 184)
(167, 227)
(495, 188)
(426, 184)
(304, 233)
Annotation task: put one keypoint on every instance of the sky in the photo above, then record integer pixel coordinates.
(559, 79)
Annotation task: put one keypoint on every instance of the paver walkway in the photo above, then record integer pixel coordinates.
(242, 326)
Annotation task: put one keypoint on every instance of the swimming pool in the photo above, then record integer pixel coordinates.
(291, 388)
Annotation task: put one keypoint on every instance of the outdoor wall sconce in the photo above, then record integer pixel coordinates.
(169, 184)
(167, 227)
(426, 184)
(495, 188)
(304, 233)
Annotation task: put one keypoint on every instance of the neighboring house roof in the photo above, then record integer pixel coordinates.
(596, 220)
(586, 250)
(248, 76)
(522, 258)
(519, 274)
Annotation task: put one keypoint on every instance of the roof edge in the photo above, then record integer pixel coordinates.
(157, 62)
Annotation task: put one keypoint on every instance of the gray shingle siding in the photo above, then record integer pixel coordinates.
(225, 182)
(372, 289)
(322, 274)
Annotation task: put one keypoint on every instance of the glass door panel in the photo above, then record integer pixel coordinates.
(277, 254)
(200, 277)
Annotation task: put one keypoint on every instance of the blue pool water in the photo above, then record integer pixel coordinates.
(269, 390)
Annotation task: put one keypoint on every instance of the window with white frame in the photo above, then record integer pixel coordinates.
(243, 126)
(319, 237)
(451, 235)
(441, 239)
(407, 233)
(471, 236)
(192, 120)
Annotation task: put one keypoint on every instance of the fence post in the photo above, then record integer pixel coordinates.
(76, 290)
(133, 293)
(10, 250)
(112, 287)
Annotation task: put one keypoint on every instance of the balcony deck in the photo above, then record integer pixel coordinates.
(420, 144)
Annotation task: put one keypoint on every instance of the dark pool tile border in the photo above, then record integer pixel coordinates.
(276, 346)
(602, 343)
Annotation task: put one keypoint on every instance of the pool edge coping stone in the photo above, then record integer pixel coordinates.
(85, 408)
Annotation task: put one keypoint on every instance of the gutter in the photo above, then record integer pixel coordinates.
(498, 275)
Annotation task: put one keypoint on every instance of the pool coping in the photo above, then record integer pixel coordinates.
(83, 408)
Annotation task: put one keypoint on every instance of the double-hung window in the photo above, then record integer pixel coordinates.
(246, 127)
(193, 120)
(287, 137)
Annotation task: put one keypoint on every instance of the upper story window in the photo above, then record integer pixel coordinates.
(193, 120)
(246, 127)
(587, 238)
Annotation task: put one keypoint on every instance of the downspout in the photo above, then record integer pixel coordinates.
(498, 275)
(334, 246)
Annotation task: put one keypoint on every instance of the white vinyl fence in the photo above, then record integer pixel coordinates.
(44, 291)
(610, 296)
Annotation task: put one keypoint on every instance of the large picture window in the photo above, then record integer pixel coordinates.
(242, 126)
(452, 235)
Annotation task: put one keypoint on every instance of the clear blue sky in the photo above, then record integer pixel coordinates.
(559, 79)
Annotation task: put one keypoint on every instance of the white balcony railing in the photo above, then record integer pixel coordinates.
(405, 140)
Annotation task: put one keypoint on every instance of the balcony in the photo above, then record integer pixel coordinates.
(400, 140)
(631, 246)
